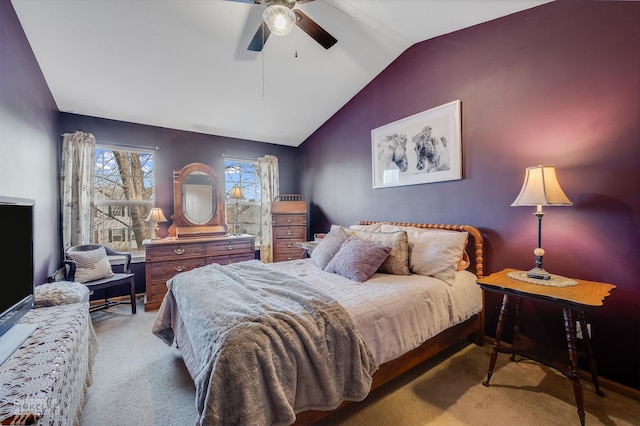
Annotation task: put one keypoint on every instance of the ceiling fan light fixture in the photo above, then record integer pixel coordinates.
(280, 19)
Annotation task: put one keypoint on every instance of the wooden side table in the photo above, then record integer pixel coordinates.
(574, 300)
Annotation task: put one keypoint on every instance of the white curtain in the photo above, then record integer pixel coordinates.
(76, 187)
(270, 188)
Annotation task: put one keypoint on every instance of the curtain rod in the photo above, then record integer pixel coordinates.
(235, 157)
(120, 145)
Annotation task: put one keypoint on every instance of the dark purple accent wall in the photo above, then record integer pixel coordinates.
(28, 141)
(558, 84)
(178, 148)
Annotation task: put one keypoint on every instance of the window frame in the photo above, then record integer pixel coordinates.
(257, 191)
(137, 253)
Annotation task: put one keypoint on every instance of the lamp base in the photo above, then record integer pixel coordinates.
(539, 274)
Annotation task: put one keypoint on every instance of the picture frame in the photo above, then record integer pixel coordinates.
(423, 148)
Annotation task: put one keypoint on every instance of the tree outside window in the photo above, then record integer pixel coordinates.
(124, 195)
(244, 174)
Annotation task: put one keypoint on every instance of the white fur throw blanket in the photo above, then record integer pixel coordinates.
(269, 345)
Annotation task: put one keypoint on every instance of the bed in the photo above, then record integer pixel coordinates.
(289, 342)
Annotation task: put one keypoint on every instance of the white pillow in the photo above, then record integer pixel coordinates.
(433, 252)
(91, 265)
(374, 227)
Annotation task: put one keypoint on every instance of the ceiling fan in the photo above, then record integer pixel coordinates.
(279, 17)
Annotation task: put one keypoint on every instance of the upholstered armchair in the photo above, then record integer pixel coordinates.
(89, 265)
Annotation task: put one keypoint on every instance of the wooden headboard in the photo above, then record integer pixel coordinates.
(475, 244)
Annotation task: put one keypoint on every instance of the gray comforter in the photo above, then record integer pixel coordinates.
(268, 345)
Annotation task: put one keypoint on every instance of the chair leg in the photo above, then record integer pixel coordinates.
(133, 296)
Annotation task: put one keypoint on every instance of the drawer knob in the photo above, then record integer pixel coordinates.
(229, 262)
(178, 251)
(288, 220)
(179, 268)
(289, 233)
(289, 245)
(230, 247)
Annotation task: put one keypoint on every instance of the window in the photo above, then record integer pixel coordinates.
(244, 174)
(124, 194)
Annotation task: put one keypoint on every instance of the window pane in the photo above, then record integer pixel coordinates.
(124, 193)
(122, 175)
(115, 227)
(247, 212)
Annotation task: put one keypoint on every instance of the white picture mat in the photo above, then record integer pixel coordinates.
(444, 122)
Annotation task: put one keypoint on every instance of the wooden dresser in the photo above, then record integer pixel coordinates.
(167, 257)
(289, 226)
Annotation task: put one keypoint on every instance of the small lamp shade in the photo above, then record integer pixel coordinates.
(280, 19)
(236, 193)
(541, 188)
(156, 215)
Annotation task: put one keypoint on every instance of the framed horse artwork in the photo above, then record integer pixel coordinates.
(423, 148)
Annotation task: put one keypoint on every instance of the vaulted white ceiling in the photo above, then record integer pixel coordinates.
(184, 64)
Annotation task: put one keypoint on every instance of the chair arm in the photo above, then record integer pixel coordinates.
(127, 258)
(71, 272)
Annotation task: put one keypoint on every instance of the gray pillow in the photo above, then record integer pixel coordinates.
(358, 259)
(329, 246)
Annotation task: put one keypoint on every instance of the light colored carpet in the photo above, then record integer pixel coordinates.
(138, 380)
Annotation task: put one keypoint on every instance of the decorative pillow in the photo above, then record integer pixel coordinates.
(60, 293)
(434, 252)
(464, 261)
(374, 227)
(329, 246)
(358, 259)
(91, 265)
(398, 261)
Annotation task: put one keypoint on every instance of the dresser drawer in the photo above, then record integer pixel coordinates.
(298, 233)
(280, 255)
(165, 270)
(283, 245)
(230, 247)
(227, 260)
(289, 219)
(171, 252)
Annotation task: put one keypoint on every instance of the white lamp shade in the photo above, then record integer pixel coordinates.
(280, 19)
(236, 193)
(156, 215)
(541, 188)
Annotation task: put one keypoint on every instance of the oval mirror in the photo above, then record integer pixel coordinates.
(198, 198)
(197, 202)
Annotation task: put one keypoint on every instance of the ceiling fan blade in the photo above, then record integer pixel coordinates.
(259, 38)
(316, 32)
(303, 1)
(243, 1)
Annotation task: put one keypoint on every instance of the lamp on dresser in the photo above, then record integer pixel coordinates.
(156, 216)
(236, 195)
(540, 188)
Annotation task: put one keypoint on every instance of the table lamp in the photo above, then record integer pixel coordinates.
(155, 216)
(236, 194)
(540, 188)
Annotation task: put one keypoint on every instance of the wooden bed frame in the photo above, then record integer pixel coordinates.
(474, 326)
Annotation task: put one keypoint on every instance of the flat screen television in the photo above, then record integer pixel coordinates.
(16, 289)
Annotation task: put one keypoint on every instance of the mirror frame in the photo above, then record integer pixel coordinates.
(181, 226)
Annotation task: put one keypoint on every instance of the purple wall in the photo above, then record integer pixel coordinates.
(179, 148)
(28, 140)
(558, 84)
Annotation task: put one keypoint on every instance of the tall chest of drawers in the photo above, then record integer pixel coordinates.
(168, 257)
(289, 226)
